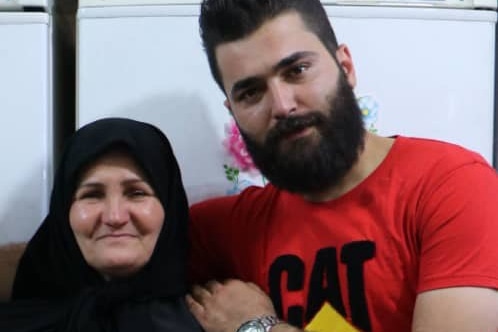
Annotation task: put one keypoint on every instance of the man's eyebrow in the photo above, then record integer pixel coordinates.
(285, 62)
(289, 60)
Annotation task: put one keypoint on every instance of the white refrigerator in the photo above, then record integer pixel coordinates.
(25, 117)
(425, 68)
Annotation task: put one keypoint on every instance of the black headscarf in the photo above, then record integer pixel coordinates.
(53, 268)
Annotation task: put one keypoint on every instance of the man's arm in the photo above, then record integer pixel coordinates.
(456, 309)
(223, 307)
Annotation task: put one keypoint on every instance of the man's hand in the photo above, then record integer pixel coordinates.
(223, 307)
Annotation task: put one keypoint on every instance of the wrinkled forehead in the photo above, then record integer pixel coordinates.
(115, 156)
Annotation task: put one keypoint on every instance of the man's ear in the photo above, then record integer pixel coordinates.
(346, 62)
(228, 106)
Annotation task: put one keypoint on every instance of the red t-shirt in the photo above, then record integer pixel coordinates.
(426, 218)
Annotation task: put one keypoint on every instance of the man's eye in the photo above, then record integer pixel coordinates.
(249, 96)
(297, 70)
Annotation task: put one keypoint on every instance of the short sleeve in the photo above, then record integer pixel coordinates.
(458, 232)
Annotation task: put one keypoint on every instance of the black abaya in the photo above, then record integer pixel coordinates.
(56, 290)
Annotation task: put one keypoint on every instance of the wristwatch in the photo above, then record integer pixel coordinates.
(261, 324)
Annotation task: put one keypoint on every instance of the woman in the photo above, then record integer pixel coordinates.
(111, 254)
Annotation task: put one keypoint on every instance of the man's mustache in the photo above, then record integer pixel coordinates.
(293, 124)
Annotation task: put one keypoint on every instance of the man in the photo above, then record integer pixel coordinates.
(359, 231)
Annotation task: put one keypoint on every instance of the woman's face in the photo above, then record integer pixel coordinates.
(115, 216)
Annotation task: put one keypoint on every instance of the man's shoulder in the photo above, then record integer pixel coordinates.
(428, 163)
(425, 151)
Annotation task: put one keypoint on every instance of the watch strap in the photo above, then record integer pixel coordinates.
(267, 322)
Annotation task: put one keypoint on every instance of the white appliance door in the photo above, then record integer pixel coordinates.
(422, 76)
(147, 63)
(26, 122)
(19, 4)
(423, 71)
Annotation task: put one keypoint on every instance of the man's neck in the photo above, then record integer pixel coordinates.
(375, 150)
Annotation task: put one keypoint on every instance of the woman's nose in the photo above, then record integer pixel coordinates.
(115, 212)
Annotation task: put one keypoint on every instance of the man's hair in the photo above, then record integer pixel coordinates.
(223, 21)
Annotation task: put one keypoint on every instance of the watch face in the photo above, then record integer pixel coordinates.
(252, 326)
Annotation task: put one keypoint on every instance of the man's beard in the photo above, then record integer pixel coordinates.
(317, 161)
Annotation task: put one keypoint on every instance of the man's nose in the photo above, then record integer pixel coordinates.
(283, 101)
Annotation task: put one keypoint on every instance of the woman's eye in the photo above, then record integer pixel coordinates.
(93, 194)
(137, 193)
